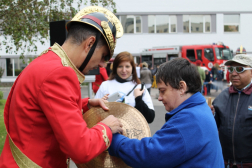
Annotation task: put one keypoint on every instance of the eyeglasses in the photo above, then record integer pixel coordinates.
(238, 69)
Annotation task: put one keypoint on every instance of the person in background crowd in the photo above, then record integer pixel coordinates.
(153, 72)
(43, 112)
(233, 114)
(123, 80)
(219, 79)
(208, 81)
(189, 138)
(154, 84)
(214, 72)
(138, 70)
(202, 73)
(146, 76)
(102, 76)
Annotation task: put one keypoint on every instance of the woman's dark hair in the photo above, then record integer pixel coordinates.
(79, 32)
(179, 69)
(121, 57)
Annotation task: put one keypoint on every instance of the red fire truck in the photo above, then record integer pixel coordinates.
(209, 54)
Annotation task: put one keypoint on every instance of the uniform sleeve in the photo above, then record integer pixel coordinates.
(59, 99)
(85, 104)
(165, 149)
(104, 74)
(148, 113)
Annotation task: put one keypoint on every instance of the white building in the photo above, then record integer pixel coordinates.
(149, 23)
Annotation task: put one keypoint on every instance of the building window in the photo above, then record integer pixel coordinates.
(186, 23)
(207, 20)
(16, 68)
(198, 23)
(9, 66)
(131, 24)
(151, 24)
(173, 23)
(162, 24)
(231, 23)
(138, 24)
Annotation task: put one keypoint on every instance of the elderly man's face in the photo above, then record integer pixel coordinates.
(240, 80)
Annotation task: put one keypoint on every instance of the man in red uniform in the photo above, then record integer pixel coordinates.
(43, 112)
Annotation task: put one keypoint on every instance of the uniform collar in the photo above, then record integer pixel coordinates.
(65, 60)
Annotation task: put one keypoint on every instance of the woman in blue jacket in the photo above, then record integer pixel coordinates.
(189, 138)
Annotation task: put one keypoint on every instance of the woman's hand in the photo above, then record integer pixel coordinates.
(97, 102)
(105, 97)
(138, 92)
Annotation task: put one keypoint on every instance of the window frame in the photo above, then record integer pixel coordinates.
(204, 24)
(169, 23)
(225, 24)
(134, 18)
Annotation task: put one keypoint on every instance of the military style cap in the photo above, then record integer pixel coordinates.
(243, 59)
(103, 20)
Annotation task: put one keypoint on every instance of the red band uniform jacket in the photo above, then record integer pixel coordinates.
(43, 115)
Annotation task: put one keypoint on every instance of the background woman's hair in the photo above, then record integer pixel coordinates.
(179, 69)
(121, 57)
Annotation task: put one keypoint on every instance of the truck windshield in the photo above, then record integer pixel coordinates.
(223, 53)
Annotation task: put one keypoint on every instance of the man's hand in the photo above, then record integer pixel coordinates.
(212, 109)
(138, 92)
(97, 102)
(114, 123)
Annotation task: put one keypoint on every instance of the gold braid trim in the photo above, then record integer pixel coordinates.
(65, 60)
(105, 136)
(109, 35)
(21, 159)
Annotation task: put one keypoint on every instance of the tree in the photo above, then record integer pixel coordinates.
(25, 22)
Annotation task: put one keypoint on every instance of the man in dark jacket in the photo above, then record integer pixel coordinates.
(233, 113)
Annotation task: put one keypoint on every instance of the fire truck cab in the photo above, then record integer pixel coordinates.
(209, 54)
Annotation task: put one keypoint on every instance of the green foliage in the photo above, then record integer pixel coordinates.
(2, 126)
(25, 22)
(84, 84)
(1, 95)
(1, 72)
(17, 71)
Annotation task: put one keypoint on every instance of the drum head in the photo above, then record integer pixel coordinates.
(135, 126)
